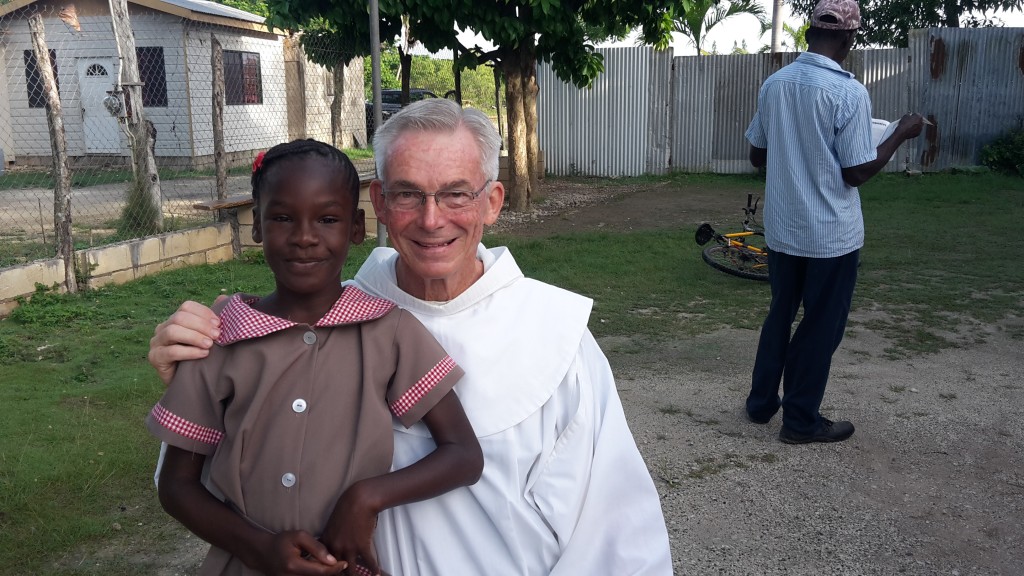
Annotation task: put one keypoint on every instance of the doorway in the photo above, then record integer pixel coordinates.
(95, 79)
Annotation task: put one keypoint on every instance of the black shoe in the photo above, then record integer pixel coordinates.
(829, 432)
(751, 418)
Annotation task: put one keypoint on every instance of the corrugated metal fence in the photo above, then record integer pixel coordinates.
(714, 98)
(650, 113)
(972, 88)
(617, 126)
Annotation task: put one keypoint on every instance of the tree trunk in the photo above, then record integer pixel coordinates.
(219, 162)
(530, 91)
(457, 73)
(405, 60)
(58, 145)
(338, 104)
(141, 140)
(518, 160)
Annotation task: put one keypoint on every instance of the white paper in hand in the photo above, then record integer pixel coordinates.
(880, 130)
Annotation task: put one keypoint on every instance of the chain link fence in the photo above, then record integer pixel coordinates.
(273, 88)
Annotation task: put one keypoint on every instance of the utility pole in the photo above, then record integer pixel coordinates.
(382, 231)
(776, 26)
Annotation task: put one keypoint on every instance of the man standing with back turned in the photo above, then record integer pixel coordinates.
(812, 130)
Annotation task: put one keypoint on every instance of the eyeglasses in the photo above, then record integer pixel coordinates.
(450, 200)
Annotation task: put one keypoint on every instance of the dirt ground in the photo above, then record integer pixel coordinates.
(931, 483)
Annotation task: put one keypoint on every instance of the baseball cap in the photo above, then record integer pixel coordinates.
(836, 15)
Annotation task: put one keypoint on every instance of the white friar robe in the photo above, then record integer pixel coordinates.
(564, 489)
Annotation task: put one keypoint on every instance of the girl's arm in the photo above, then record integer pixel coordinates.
(184, 497)
(457, 461)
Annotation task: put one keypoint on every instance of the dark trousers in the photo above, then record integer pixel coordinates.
(825, 288)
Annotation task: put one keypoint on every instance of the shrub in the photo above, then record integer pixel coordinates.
(49, 309)
(1006, 153)
(139, 217)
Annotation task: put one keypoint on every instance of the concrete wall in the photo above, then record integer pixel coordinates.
(127, 261)
(122, 262)
(21, 281)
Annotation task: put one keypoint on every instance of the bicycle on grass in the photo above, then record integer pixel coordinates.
(742, 254)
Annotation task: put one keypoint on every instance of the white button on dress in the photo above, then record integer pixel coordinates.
(309, 338)
(299, 406)
(288, 480)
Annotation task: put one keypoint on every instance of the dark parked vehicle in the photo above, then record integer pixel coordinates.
(390, 102)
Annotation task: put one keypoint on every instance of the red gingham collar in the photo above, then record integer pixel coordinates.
(239, 321)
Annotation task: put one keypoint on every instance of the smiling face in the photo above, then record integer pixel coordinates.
(437, 248)
(306, 220)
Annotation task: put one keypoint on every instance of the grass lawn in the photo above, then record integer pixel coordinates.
(76, 494)
(941, 255)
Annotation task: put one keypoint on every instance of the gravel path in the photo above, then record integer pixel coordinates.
(932, 482)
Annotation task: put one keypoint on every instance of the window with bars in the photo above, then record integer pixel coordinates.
(153, 75)
(34, 79)
(243, 83)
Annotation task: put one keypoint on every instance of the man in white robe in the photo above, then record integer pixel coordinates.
(564, 489)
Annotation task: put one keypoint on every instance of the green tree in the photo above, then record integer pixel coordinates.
(559, 32)
(797, 36)
(738, 48)
(889, 22)
(333, 33)
(258, 7)
(700, 16)
(797, 39)
(434, 74)
(389, 70)
(524, 31)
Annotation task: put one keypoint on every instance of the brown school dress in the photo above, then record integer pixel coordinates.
(293, 414)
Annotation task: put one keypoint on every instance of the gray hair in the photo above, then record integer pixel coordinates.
(439, 115)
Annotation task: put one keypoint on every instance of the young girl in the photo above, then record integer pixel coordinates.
(294, 405)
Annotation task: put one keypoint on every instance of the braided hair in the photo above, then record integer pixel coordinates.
(266, 164)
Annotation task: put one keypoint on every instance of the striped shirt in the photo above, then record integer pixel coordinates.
(815, 119)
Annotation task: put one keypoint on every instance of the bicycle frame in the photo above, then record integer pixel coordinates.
(731, 253)
(732, 242)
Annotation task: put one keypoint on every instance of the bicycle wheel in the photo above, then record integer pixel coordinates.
(737, 261)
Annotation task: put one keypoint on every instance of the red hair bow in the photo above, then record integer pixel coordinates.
(258, 162)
